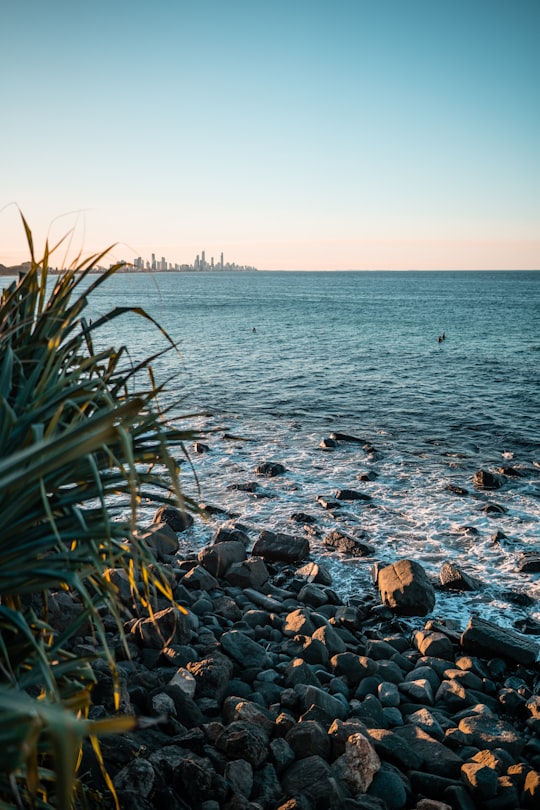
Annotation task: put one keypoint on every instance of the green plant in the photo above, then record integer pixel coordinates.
(82, 441)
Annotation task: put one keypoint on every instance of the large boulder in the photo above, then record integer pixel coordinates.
(218, 557)
(405, 587)
(177, 519)
(486, 638)
(279, 547)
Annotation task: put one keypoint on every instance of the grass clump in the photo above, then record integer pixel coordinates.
(83, 442)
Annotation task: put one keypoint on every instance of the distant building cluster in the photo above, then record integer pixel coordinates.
(200, 265)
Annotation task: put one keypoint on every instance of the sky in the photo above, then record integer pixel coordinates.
(289, 134)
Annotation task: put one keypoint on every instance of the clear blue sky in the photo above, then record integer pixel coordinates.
(289, 133)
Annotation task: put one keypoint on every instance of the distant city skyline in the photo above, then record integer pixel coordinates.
(301, 135)
(199, 264)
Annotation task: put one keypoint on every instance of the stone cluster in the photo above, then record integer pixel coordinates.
(267, 692)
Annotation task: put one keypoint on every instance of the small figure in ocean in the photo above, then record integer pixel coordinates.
(443, 335)
(253, 330)
(439, 339)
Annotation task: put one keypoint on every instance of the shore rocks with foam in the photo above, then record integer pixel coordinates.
(269, 692)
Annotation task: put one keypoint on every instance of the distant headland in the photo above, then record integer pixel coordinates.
(154, 265)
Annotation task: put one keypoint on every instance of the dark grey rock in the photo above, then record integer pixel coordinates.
(242, 740)
(244, 650)
(346, 544)
(483, 479)
(279, 547)
(270, 469)
(487, 638)
(177, 519)
(218, 557)
(351, 495)
(307, 739)
(452, 577)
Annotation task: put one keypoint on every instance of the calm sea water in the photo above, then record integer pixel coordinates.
(284, 359)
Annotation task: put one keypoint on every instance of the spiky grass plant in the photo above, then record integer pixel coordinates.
(82, 442)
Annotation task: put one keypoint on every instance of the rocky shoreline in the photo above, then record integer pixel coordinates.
(267, 692)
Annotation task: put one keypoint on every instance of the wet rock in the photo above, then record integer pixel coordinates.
(487, 638)
(239, 775)
(529, 562)
(483, 479)
(218, 557)
(328, 444)
(435, 757)
(298, 622)
(276, 546)
(452, 577)
(346, 437)
(456, 490)
(230, 533)
(315, 572)
(303, 517)
(405, 587)
(270, 469)
(345, 544)
(351, 495)
(177, 519)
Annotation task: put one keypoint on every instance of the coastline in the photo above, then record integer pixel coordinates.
(269, 692)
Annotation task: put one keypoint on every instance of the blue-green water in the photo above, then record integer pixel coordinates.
(284, 359)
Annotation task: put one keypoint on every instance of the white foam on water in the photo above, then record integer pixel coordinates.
(411, 514)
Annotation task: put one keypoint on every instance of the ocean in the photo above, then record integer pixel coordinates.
(281, 360)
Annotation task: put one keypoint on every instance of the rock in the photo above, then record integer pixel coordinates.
(310, 778)
(247, 711)
(315, 572)
(529, 562)
(488, 731)
(307, 739)
(358, 764)
(452, 577)
(177, 519)
(486, 638)
(391, 787)
(239, 774)
(244, 650)
(351, 495)
(435, 757)
(251, 573)
(346, 437)
(328, 444)
(241, 740)
(227, 534)
(200, 579)
(302, 517)
(312, 695)
(312, 595)
(137, 776)
(276, 546)
(405, 588)
(212, 675)
(432, 643)
(480, 780)
(218, 557)
(185, 681)
(270, 469)
(298, 622)
(162, 539)
(327, 503)
(168, 626)
(456, 490)
(483, 479)
(346, 544)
